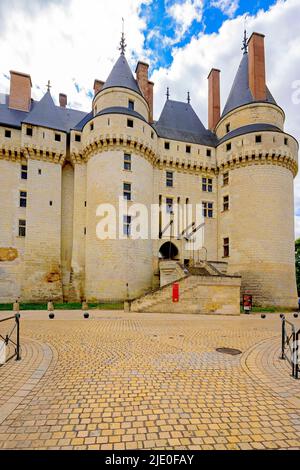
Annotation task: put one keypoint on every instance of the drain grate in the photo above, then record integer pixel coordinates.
(231, 351)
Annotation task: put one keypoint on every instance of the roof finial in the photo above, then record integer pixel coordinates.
(168, 93)
(48, 85)
(123, 44)
(188, 97)
(245, 40)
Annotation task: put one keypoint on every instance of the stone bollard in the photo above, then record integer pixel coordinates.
(16, 306)
(85, 306)
(127, 306)
(50, 307)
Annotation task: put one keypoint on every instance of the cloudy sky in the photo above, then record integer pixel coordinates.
(72, 42)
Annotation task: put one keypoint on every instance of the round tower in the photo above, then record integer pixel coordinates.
(120, 145)
(257, 162)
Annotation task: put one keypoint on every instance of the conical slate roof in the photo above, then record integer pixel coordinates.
(240, 93)
(178, 121)
(121, 76)
(45, 114)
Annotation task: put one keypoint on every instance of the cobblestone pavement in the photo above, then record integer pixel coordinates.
(148, 381)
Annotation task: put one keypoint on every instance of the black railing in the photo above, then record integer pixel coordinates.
(290, 346)
(7, 340)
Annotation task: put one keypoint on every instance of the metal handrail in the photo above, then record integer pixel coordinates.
(290, 346)
(8, 340)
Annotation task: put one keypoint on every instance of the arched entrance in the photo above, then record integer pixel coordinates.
(168, 251)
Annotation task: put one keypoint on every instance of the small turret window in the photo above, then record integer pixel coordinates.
(77, 138)
(57, 137)
(228, 147)
(22, 228)
(24, 171)
(29, 131)
(127, 162)
(23, 199)
(129, 122)
(227, 128)
(286, 141)
(131, 105)
(258, 139)
(208, 153)
(169, 179)
(92, 126)
(127, 191)
(7, 134)
(167, 145)
(188, 149)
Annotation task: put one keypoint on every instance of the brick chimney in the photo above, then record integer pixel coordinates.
(98, 84)
(257, 69)
(145, 85)
(214, 100)
(63, 100)
(20, 91)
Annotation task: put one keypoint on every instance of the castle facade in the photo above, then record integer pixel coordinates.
(57, 165)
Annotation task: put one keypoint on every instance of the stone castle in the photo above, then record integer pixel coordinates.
(58, 164)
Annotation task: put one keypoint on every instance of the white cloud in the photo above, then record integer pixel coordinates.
(192, 63)
(66, 41)
(184, 13)
(228, 7)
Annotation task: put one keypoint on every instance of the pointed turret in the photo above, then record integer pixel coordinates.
(45, 114)
(241, 93)
(121, 76)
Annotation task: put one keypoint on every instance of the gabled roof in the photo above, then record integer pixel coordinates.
(178, 121)
(121, 76)
(45, 114)
(240, 93)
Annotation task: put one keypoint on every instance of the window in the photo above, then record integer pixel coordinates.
(77, 138)
(24, 171)
(167, 145)
(188, 149)
(23, 199)
(152, 135)
(22, 228)
(129, 122)
(84, 231)
(228, 147)
(225, 179)
(226, 247)
(286, 141)
(226, 203)
(131, 105)
(208, 209)
(169, 203)
(127, 225)
(7, 134)
(91, 126)
(39, 171)
(258, 139)
(51, 203)
(58, 137)
(127, 191)
(127, 162)
(29, 131)
(208, 153)
(169, 179)
(207, 185)
(85, 204)
(227, 128)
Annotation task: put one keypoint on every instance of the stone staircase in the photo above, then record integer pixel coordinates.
(203, 289)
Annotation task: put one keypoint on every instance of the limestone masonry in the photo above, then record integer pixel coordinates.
(57, 165)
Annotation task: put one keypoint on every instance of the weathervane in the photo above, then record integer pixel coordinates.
(48, 85)
(245, 40)
(168, 93)
(188, 97)
(123, 44)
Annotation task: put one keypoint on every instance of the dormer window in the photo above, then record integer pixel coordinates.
(131, 105)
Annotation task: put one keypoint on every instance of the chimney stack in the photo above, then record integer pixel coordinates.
(145, 85)
(257, 68)
(98, 85)
(20, 91)
(214, 100)
(63, 100)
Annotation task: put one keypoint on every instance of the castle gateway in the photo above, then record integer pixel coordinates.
(58, 165)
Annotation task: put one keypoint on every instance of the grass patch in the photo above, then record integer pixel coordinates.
(64, 306)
